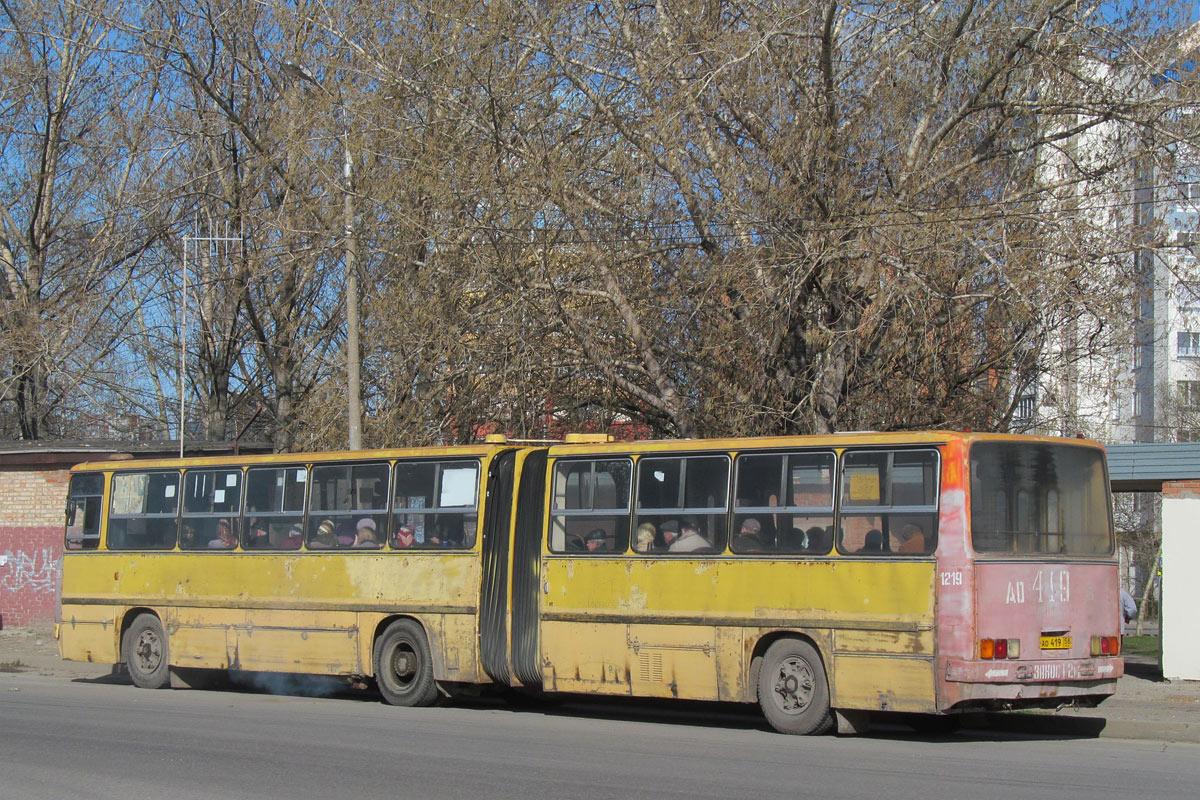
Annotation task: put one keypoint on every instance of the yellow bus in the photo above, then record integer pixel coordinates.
(825, 578)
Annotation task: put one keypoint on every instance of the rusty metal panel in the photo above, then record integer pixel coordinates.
(884, 642)
(585, 657)
(199, 637)
(296, 612)
(883, 683)
(716, 609)
(89, 633)
(673, 661)
(897, 595)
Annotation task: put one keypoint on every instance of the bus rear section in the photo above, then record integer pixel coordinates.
(1040, 578)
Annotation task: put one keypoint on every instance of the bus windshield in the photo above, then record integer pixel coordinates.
(1032, 498)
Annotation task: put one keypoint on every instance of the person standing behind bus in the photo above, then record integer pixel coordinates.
(1129, 609)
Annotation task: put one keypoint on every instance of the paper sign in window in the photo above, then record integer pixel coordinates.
(231, 480)
(458, 487)
(219, 496)
(864, 486)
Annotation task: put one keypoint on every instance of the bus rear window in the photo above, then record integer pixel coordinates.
(1031, 498)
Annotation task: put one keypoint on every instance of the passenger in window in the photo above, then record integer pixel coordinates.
(645, 538)
(225, 539)
(292, 540)
(873, 543)
(597, 540)
(749, 537)
(188, 539)
(442, 536)
(346, 531)
(324, 538)
(689, 540)
(258, 539)
(912, 539)
(365, 536)
(405, 536)
(670, 533)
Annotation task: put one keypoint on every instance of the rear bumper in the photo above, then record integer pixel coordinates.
(1042, 671)
(981, 685)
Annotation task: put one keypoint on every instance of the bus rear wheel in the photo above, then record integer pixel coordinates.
(145, 653)
(793, 691)
(403, 666)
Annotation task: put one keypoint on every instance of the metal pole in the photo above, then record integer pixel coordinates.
(183, 346)
(353, 360)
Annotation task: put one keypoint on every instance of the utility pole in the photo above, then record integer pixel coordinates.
(350, 241)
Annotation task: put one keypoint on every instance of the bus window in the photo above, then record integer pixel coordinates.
(143, 514)
(590, 507)
(348, 504)
(686, 499)
(212, 501)
(888, 502)
(1041, 498)
(83, 512)
(275, 505)
(435, 505)
(789, 498)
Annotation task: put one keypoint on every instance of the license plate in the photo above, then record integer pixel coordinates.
(1055, 643)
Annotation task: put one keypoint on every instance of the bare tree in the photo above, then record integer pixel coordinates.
(81, 205)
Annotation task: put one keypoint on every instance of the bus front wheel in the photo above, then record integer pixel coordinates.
(793, 691)
(144, 647)
(403, 667)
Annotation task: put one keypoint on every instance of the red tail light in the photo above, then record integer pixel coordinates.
(1002, 648)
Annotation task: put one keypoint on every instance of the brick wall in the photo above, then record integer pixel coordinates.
(1182, 489)
(32, 500)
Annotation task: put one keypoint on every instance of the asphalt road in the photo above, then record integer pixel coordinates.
(64, 738)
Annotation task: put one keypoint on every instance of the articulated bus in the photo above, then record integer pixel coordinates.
(825, 578)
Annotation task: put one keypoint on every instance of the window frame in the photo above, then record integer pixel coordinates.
(114, 516)
(681, 511)
(739, 512)
(886, 508)
(620, 537)
(394, 513)
(234, 517)
(79, 502)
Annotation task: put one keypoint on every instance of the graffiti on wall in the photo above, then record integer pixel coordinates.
(35, 571)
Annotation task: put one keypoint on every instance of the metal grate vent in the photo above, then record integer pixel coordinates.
(650, 667)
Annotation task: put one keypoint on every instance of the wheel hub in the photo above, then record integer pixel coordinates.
(794, 685)
(149, 651)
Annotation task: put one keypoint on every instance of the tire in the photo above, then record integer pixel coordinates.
(145, 652)
(793, 691)
(403, 667)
